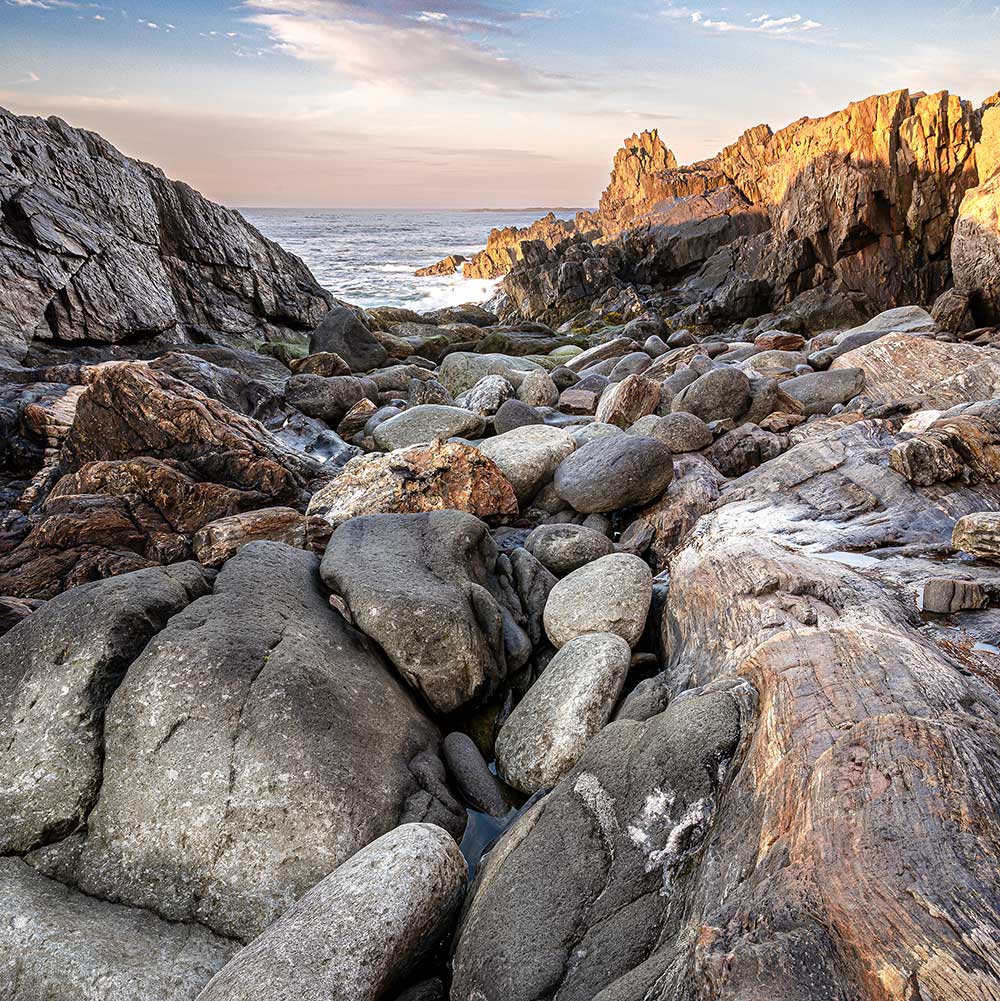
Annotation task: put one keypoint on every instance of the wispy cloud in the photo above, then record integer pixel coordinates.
(43, 4)
(30, 77)
(447, 48)
(791, 27)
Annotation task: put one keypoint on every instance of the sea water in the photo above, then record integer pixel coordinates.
(368, 256)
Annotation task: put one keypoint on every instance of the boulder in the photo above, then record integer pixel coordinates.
(358, 932)
(446, 266)
(975, 249)
(328, 398)
(461, 370)
(820, 392)
(565, 548)
(614, 471)
(719, 394)
(472, 776)
(623, 403)
(431, 477)
(572, 701)
(538, 389)
(608, 595)
(427, 423)
(220, 540)
(978, 534)
(528, 456)
(58, 671)
(325, 363)
(256, 743)
(57, 944)
(680, 432)
(342, 332)
(488, 395)
(419, 585)
(515, 414)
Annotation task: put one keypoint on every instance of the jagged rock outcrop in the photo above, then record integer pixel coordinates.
(96, 248)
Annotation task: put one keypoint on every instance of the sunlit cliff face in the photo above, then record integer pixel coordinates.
(463, 103)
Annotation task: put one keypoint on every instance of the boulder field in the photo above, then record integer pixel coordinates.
(366, 654)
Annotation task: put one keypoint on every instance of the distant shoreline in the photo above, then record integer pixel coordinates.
(533, 208)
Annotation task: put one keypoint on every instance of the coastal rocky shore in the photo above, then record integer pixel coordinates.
(633, 636)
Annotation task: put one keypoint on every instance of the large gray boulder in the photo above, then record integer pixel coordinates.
(342, 333)
(610, 595)
(565, 548)
(720, 394)
(528, 456)
(328, 398)
(571, 702)
(820, 392)
(255, 744)
(58, 669)
(420, 586)
(461, 370)
(427, 422)
(614, 471)
(576, 901)
(57, 944)
(357, 933)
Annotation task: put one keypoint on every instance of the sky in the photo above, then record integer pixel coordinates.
(461, 103)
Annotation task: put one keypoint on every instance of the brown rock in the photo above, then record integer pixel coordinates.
(978, 534)
(975, 250)
(221, 539)
(432, 477)
(778, 340)
(448, 266)
(623, 403)
(504, 246)
(325, 363)
(356, 418)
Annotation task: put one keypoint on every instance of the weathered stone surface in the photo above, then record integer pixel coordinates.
(978, 534)
(514, 414)
(101, 248)
(569, 704)
(503, 246)
(427, 423)
(58, 669)
(256, 743)
(576, 899)
(720, 394)
(608, 595)
(325, 363)
(488, 395)
(358, 932)
(419, 585)
(820, 392)
(461, 370)
(528, 456)
(446, 266)
(342, 332)
(614, 471)
(744, 448)
(901, 320)
(430, 477)
(328, 398)
(58, 944)
(623, 403)
(220, 540)
(975, 249)
(565, 548)
(538, 389)
(471, 775)
(680, 432)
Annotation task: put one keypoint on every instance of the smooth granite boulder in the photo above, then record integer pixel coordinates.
(609, 595)
(256, 743)
(572, 701)
(680, 432)
(425, 423)
(57, 944)
(528, 456)
(461, 370)
(720, 394)
(58, 669)
(342, 332)
(418, 584)
(614, 471)
(356, 934)
(820, 392)
(565, 548)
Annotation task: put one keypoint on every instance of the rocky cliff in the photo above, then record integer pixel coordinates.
(860, 205)
(97, 248)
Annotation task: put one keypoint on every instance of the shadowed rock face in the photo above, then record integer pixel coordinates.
(98, 248)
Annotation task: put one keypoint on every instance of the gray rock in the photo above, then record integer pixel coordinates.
(60, 945)
(397, 378)
(609, 595)
(614, 471)
(342, 332)
(719, 394)
(328, 398)
(680, 432)
(528, 456)
(461, 370)
(565, 548)
(538, 389)
(655, 346)
(573, 901)
(418, 584)
(570, 703)
(256, 743)
(430, 422)
(585, 433)
(902, 319)
(356, 934)
(488, 395)
(820, 392)
(58, 669)
(563, 377)
(634, 363)
(515, 414)
(422, 391)
(472, 776)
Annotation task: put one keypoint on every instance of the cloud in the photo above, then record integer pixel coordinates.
(443, 49)
(791, 27)
(42, 4)
(30, 77)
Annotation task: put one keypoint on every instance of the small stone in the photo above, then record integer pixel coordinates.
(325, 363)
(472, 776)
(609, 595)
(718, 394)
(680, 432)
(820, 392)
(578, 401)
(565, 548)
(515, 414)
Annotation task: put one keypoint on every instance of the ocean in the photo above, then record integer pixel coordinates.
(368, 256)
